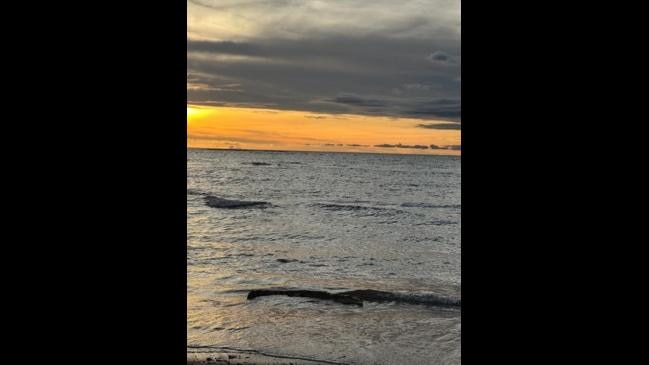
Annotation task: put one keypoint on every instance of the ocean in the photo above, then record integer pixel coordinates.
(330, 222)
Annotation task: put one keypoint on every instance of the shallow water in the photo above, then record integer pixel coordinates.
(335, 222)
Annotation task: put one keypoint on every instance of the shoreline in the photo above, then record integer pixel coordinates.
(233, 357)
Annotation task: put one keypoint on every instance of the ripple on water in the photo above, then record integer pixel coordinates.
(334, 222)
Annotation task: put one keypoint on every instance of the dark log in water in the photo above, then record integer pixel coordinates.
(340, 298)
(216, 202)
(356, 297)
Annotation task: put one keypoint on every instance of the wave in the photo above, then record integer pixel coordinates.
(434, 206)
(355, 208)
(216, 202)
(343, 206)
(256, 163)
(357, 297)
(436, 223)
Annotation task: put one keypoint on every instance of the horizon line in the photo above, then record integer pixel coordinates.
(312, 151)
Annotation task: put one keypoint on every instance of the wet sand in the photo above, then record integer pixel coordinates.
(236, 358)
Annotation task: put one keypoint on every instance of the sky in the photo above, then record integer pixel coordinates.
(316, 75)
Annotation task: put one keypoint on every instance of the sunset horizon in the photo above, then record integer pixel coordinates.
(320, 76)
(219, 127)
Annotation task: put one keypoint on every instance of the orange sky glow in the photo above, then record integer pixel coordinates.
(267, 129)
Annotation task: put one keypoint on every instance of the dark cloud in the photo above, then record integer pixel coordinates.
(223, 47)
(226, 4)
(449, 147)
(374, 60)
(448, 126)
(440, 57)
(351, 99)
(441, 109)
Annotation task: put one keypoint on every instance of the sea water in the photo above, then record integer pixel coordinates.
(331, 222)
